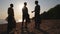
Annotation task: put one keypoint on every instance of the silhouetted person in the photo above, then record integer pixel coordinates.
(11, 19)
(37, 15)
(25, 15)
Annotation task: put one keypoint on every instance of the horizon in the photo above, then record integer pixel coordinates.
(2, 21)
(18, 5)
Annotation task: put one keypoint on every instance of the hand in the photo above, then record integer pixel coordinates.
(6, 19)
(32, 11)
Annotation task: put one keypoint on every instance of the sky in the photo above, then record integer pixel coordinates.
(45, 5)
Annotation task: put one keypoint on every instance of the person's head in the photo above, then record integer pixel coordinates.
(11, 5)
(36, 2)
(25, 3)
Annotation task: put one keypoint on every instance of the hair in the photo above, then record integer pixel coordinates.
(25, 3)
(11, 5)
(36, 2)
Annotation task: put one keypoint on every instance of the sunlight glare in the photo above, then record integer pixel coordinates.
(20, 6)
(19, 20)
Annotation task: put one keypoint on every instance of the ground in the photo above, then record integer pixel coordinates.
(51, 26)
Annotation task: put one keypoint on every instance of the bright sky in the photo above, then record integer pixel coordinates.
(18, 4)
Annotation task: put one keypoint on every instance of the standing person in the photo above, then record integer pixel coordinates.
(10, 19)
(37, 15)
(38, 18)
(25, 15)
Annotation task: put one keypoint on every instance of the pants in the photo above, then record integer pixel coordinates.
(37, 21)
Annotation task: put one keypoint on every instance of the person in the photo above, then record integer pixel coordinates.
(37, 15)
(25, 15)
(10, 19)
(38, 18)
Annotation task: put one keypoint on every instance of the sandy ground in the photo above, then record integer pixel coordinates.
(48, 26)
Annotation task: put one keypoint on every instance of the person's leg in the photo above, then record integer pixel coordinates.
(7, 30)
(23, 21)
(35, 21)
(8, 27)
(22, 27)
(35, 24)
(27, 20)
(26, 23)
(38, 22)
(38, 25)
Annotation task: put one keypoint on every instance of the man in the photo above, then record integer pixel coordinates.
(37, 15)
(25, 15)
(38, 18)
(11, 19)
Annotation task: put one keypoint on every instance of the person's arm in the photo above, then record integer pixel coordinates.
(8, 11)
(39, 9)
(33, 11)
(22, 10)
(13, 12)
(27, 10)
